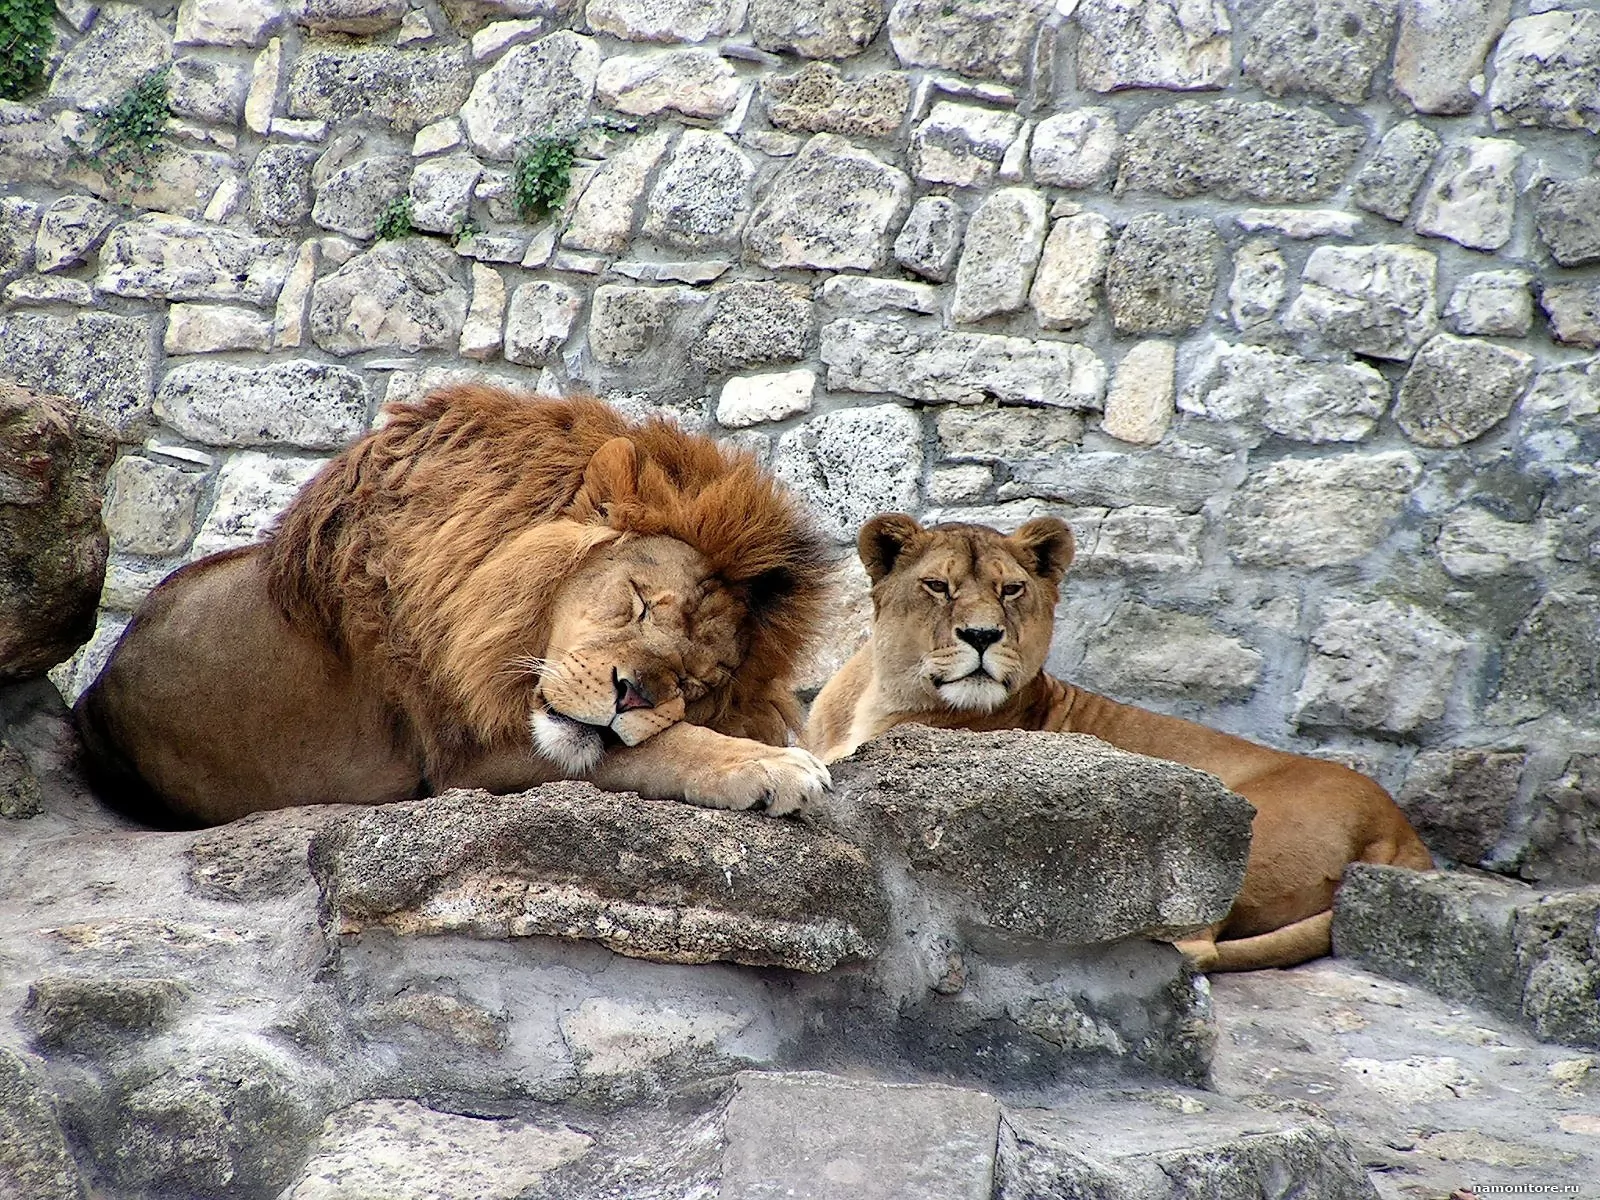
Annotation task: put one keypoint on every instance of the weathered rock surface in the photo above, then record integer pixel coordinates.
(1318, 512)
(1154, 44)
(1441, 50)
(1387, 183)
(1458, 389)
(1162, 274)
(1291, 396)
(403, 295)
(296, 402)
(1547, 72)
(832, 209)
(987, 39)
(1377, 665)
(104, 361)
(1329, 48)
(1568, 219)
(1375, 300)
(853, 464)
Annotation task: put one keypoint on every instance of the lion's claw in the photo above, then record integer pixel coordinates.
(779, 781)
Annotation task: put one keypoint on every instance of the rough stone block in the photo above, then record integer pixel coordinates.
(1473, 198)
(209, 328)
(403, 295)
(1154, 44)
(753, 323)
(1291, 396)
(1439, 55)
(1564, 833)
(1547, 72)
(207, 91)
(627, 322)
(1374, 300)
(1319, 512)
(852, 464)
(1002, 247)
(1459, 801)
(1491, 304)
(1573, 310)
(826, 29)
(1458, 389)
(252, 489)
(831, 209)
(1328, 48)
(1075, 149)
(69, 232)
(1162, 274)
(34, 1159)
(928, 241)
(1552, 660)
(1071, 269)
(350, 199)
(1387, 183)
(168, 258)
(663, 20)
(539, 321)
(818, 99)
(982, 39)
(229, 22)
(565, 861)
(104, 361)
(603, 215)
(1139, 401)
(1377, 665)
(406, 88)
(1169, 476)
(1007, 434)
(701, 198)
(1567, 217)
(150, 506)
(1157, 652)
(124, 44)
(300, 403)
(962, 144)
(751, 399)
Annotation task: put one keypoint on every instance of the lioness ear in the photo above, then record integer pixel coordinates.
(882, 539)
(612, 476)
(1045, 547)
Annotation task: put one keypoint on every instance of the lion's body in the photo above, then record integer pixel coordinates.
(489, 591)
(1313, 818)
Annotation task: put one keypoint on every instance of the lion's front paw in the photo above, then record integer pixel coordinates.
(777, 779)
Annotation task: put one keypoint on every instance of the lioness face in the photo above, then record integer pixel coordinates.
(642, 631)
(963, 613)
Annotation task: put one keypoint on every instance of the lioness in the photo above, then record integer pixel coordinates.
(490, 591)
(962, 623)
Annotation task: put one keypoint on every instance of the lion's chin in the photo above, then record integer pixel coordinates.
(975, 693)
(571, 745)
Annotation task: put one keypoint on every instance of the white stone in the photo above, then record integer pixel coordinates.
(224, 201)
(981, 40)
(1260, 281)
(695, 83)
(1474, 544)
(1179, 44)
(1071, 270)
(1375, 300)
(206, 328)
(1377, 665)
(49, 289)
(252, 489)
(1300, 223)
(1075, 149)
(500, 36)
(1295, 397)
(1457, 389)
(539, 321)
(664, 20)
(161, 257)
(1007, 434)
(1547, 72)
(400, 295)
(289, 319)
(603, 215)
(701, 198)
(415, 26)
(1491, 304)
(1159, 652)
(859, 295)
(852, 464)
(751, 399)
(965, 483)
(262, 97)
(293, 402)
(437, 138)
(1146, 539)
(1319, 512)
(69, 231)
(299, 130)
(930, 239)
(1139, 401)
(481, 334)
(1000, 253)
(1439, 55)
(960, 368)
(441, 193)
(961, 143)
(831, 209)
(150, 506)
(1472, 199)
(124, 44)
(537, 90)
(73, 677)
(228, 22)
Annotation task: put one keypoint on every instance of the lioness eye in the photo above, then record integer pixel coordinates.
(1011, 590)
(937, 586)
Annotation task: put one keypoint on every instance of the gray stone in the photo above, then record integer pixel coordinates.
(161, 257)
(53, 463)
(695, 83)
(831, 209)
(829, 29)
(279, 183)
(481, 333)
(627, 323)
(1491, 304)
(1293, 397)
(984, 39)
(1258, 285)
(539, 321)
(406, 88)
(860, 294)
(150, 506)
(1162, 274)
(96, 1015)
(351, 198)
(1460, 801)
(1472, 199)
(928, 241)
(965, 484)
(1377, 665)
(1075, 149)
(104, 361)
(124, 44)
(1070, 815)
(1154, 44)
(33, 147)
(960, 368)
(1564, 835)
(1438, 57)
(1547, 72)
(1071, 270)
(1552, 660)
(228, 22)
(1002, 247)
(1141, 539)
(207, 91)
(1234, 148)
(403, 294)
(1299, 223)
(1328, 48)
(1573, 310)
(557, 862)
(1476, 544)
(69, 232)
(1139, 401)
(300, 403)
(1373, 300)
(701, 198)
(1387, 183)
(1319, 512)
(1007, 434)
(1457, 389)
(818, 99)
(441, 193)
(662, 20)
(34, 1159)
(1156, 652)
(252, 489)
(815, 1135)
(753, 323)
(1567, 217)
(1176, 476)
(350, 16)
(962, 143)
(853, 464)
(603, 216)
(19, 223)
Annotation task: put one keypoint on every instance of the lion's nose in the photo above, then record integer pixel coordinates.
(980, 639)
(629, 694)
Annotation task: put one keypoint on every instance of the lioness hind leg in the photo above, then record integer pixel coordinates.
(1200, 951)
(1295, 943)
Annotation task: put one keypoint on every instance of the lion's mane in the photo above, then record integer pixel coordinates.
(429, 553)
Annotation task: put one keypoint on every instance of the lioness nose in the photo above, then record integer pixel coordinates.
(629, 694)
(979, 639)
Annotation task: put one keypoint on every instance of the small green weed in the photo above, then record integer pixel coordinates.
(129, 132)
(26, 35)
(541, 175)
(466, 230)
(394, 218)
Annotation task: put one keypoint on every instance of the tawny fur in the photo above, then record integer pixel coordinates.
(419, 575)
(1313, 818)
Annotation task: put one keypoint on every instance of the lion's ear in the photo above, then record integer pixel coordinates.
(612, 476)
(882, 539)
(1045, 547)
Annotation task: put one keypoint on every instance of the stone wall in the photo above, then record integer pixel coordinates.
(1286, 305)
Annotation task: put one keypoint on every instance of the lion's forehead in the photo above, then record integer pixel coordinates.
(958, 558)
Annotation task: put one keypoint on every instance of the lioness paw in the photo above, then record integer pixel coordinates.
(777, 780)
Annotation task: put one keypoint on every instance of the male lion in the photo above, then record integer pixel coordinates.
(490, 591)
(962, 624)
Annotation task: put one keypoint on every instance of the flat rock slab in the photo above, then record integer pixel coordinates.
(1051, 835)
(650, 879)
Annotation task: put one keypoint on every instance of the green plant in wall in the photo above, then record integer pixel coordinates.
(394, 218)
(26, 35)
(541, 175)
(128, 134)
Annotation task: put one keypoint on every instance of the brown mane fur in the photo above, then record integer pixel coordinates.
(429, 551)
